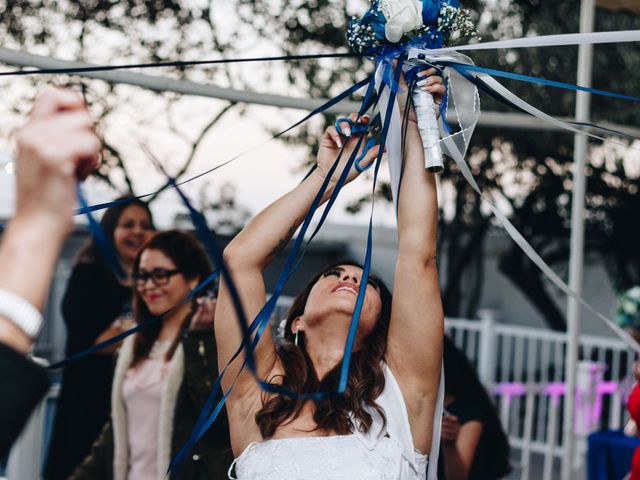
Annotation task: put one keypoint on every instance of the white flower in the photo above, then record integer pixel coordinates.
(402, 17)
(629, 307)
(634, 293)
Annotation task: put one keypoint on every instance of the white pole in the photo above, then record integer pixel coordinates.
(164, 84)
(502, 120)
(587, 14)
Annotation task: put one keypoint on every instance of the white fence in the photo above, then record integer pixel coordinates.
(523, 368)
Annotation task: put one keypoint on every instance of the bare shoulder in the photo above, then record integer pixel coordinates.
(243, 409)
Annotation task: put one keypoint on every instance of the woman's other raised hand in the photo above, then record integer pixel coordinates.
(333, 141)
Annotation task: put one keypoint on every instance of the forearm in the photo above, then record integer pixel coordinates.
(460, 454)
(28, 255)
(454, 465)
(110, 332)
(268, 233)
(417, 202)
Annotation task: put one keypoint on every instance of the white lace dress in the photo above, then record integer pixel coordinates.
(381, 454)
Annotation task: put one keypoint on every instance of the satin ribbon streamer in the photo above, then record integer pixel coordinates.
(466, 104)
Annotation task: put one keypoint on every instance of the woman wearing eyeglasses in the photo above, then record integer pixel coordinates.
(164, 374)
(96, 306)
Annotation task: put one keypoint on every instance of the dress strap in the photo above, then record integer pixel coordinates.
(231, 472)
(397, 426)
(432, 472)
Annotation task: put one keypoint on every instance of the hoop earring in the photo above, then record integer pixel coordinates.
(295, 337)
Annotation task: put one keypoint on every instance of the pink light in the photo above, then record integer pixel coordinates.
(510, 390)
(558, 389)
(607, 388)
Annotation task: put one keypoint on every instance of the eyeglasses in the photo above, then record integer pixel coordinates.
(159, 276)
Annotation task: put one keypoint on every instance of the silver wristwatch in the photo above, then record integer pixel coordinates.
(20, 312)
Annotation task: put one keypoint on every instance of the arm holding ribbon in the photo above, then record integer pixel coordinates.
(56, 147)
(246, 257)
(414, 346)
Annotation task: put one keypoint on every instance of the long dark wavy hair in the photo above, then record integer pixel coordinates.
(190, 258)
(88, 252)
(461, 381)
(366, 376)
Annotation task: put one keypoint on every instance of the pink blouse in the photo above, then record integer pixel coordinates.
(142, 393)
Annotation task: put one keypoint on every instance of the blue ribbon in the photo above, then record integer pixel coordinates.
(261, 320)
(178, 64)
(111, 257)
(141, 326)
(539, 80)
(353, 328)
(328, 104)
(259, 324)
(497, 96)
(205, 420)
(102, 242)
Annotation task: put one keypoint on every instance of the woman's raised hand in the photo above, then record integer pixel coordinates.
(205, 315)
(333, 141)
(57, 147)
(428, 80)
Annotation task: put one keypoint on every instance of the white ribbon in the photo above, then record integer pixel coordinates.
(553, 41)
(464, 99)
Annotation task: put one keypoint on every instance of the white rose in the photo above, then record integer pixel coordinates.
(634, 293)
(629, 307)
(402, 16)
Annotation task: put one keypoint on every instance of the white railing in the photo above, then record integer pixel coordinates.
(523, 368)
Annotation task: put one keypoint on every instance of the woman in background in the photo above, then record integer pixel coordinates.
(96, 306)
(474, 445)
(163, 375)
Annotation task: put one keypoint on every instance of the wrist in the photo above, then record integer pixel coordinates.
(321, 175)
(13, 336)
(39, 228)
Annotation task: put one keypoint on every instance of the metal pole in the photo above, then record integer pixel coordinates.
(502, 120)
(163, 84)
(587, 14)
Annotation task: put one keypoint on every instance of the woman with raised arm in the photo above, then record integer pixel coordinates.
(381, 427)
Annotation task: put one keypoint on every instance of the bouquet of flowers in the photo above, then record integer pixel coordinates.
(628, 312)
(391, 27)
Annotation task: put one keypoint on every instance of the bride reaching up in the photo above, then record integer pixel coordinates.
(381, 427)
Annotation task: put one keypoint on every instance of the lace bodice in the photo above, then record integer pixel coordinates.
(381, 454)
(325, 458)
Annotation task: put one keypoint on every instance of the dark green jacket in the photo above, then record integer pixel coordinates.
(211, 457)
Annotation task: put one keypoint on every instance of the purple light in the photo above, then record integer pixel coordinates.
(607, 388)
(510, 390)
(558, 389)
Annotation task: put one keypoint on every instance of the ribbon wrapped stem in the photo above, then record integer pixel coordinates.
(425, 108)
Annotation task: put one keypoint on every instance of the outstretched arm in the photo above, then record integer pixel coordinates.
(247, 256)
(414, 351)
(55, 147)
